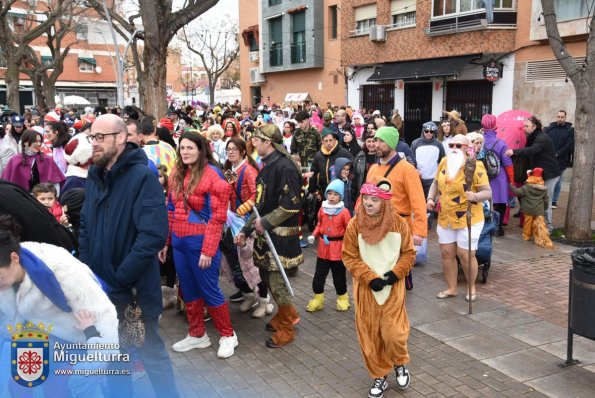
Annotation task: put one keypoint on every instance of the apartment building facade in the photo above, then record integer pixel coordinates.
(290, 52)
(541, 85)
(423, 57)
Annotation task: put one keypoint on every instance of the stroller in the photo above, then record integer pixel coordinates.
(483, 254)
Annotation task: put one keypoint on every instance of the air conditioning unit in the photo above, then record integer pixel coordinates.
(253, 56)
(377, 33)
(256, 77)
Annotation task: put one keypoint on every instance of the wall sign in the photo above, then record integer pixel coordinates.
(492, 70)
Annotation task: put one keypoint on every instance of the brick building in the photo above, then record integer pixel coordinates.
(290, 51)
(540, 82)
(422, 57)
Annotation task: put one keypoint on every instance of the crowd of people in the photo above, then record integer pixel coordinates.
(155, 210)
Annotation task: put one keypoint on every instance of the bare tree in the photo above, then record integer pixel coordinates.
(580, 200)
(160, 24)
(217, 48)
(16, 33)
(44, 72)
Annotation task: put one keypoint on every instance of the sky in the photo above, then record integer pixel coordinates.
(223, 7)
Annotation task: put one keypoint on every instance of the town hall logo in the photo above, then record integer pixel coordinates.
(30, 356)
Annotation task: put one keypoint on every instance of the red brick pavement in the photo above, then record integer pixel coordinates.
(537, 286)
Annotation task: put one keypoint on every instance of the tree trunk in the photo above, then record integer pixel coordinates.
(49, 86)
(40, 99)
(152, 88)
(212, 92)
(12, 79)
(580, 197)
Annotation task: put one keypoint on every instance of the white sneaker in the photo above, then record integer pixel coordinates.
(190, 343)
(227, 346)
(403, 378)
(377, 390)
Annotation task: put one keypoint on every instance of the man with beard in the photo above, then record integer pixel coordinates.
(408, 194)
(452, 224)
(562, 134)
(123, 227)
(278, 200)
(379, 272)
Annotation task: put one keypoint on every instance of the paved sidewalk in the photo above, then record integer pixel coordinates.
(511, 346)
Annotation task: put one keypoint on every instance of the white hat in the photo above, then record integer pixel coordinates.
(78, 151)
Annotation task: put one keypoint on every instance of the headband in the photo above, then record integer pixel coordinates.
(373, 190)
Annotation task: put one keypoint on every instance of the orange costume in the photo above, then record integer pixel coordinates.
(380, 317)
(408, 194)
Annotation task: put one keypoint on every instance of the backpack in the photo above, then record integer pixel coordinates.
(491, 161)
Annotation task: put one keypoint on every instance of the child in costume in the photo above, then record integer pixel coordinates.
(533, 206)
(379, 272)
(333, 218)
(46, 194)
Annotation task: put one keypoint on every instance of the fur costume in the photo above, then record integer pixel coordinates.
(82, 292)
(380, 317)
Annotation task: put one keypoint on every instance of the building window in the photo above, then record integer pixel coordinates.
(571, 9)
(253, 43)
(333, 21)
(365, 17)
(503, 3)
(276, 47)
(2, 59)
(87, 64)
(446, 7)
(82, 30)
(403, 13)
(298, 44)
(274, 2)
(46, 59)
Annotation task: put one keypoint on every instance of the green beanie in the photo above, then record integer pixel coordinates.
(326, 131)
(389, 135)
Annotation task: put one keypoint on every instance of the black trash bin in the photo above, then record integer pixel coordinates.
(582, 293)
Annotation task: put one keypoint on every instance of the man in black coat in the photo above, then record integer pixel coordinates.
(323, 165)
(540, 153)
(562, 134)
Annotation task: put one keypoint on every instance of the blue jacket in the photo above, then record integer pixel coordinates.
(123, 226)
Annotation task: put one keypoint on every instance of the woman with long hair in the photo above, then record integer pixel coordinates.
(197, 208)
(31, 166)
(56, 136)
(241, 171)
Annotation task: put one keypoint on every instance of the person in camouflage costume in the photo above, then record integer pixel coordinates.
(278, 200)
(306, 140)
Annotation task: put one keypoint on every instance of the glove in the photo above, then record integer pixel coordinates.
(390, 278)
(311, 239)
(245, 208)
(326, 241)
(377, 284)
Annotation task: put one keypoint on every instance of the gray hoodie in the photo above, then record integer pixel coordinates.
(427, 152)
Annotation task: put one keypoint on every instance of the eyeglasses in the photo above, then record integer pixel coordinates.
(232, 149)
(99, 137)
(458, 146)
(428, 131)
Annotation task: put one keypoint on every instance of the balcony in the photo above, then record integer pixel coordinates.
(470, 21)
(298, 52)
(276, 54)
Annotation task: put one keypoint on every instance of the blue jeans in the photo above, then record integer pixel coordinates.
(550, 184)
(557, 188)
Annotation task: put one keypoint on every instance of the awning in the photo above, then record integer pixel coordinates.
(87, 60)
(297, 97)
(246, 34)
(424, 68)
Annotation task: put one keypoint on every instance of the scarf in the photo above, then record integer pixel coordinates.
(326, 152)
(332, 210)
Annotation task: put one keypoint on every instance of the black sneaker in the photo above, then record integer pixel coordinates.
(379, 387)
(403, 378)
(237, 297)
(554, 205)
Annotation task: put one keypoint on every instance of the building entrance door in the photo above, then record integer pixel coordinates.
(418, 109)
(472, 98)
(378, 97)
